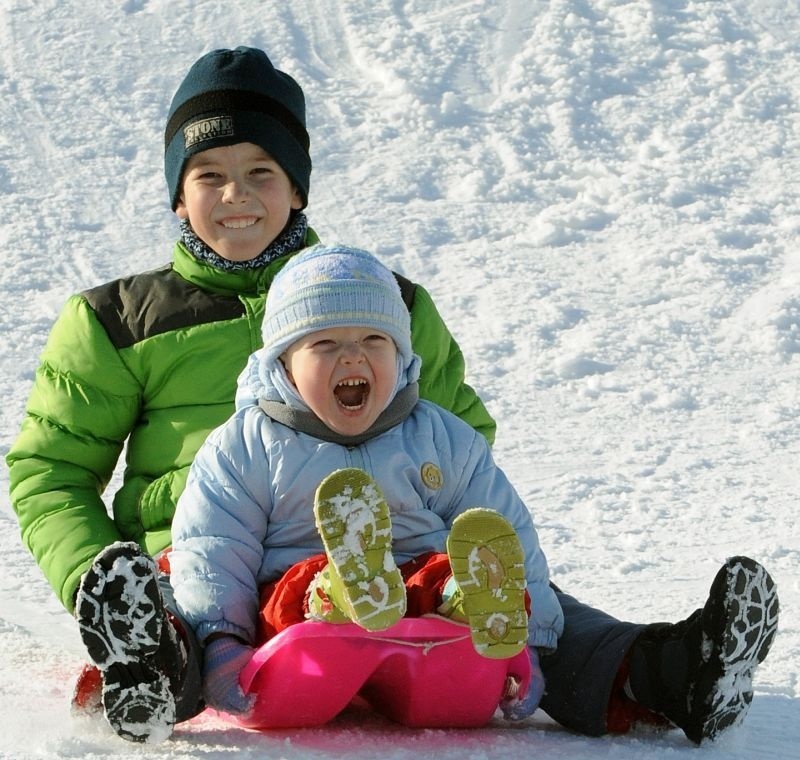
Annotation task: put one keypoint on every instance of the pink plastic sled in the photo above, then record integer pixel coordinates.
(421, 672)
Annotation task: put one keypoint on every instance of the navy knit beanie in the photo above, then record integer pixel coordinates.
(235, 96)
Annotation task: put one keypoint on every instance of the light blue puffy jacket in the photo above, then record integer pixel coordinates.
(246, 514)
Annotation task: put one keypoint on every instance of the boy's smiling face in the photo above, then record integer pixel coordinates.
(346, 375)
(237, 199)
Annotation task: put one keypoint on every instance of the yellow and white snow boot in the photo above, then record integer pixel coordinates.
(361, 582)
(488, 566)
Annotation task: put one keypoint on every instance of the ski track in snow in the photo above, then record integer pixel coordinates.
(602, 199)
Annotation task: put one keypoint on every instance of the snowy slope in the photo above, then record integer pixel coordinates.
(602, 198)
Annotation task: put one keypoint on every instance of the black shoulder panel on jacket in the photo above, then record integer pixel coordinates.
(152, 303)
(407, 289)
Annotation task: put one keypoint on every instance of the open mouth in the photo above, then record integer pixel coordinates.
(352, 394)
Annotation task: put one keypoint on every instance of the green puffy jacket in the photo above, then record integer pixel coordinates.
(150, 363)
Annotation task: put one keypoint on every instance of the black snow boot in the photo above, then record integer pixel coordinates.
(698, 673)
(129, 637)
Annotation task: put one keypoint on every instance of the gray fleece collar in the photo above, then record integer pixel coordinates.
(307, 422)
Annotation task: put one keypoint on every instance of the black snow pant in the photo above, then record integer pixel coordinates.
(189, 701)
(580, 674)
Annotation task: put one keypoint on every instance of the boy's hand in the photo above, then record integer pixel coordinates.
(519, 708)
(224, 659)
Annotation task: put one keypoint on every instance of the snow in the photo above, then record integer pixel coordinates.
(602, 198)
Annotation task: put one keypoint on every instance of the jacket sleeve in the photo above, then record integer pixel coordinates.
(442, 377)
(82, 406)
(217, 534)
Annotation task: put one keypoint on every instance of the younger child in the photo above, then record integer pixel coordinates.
(331, 438)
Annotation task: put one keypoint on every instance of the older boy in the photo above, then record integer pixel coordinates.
(151, 361)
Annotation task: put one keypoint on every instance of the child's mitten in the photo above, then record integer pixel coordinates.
(224, 659)
(523, 706)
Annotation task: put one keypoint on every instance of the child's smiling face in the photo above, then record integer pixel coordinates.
(237, 199)
(346, 375)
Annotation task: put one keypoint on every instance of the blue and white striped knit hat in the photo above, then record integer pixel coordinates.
(334, 286)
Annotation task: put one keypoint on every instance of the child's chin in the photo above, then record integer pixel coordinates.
(350, 426)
